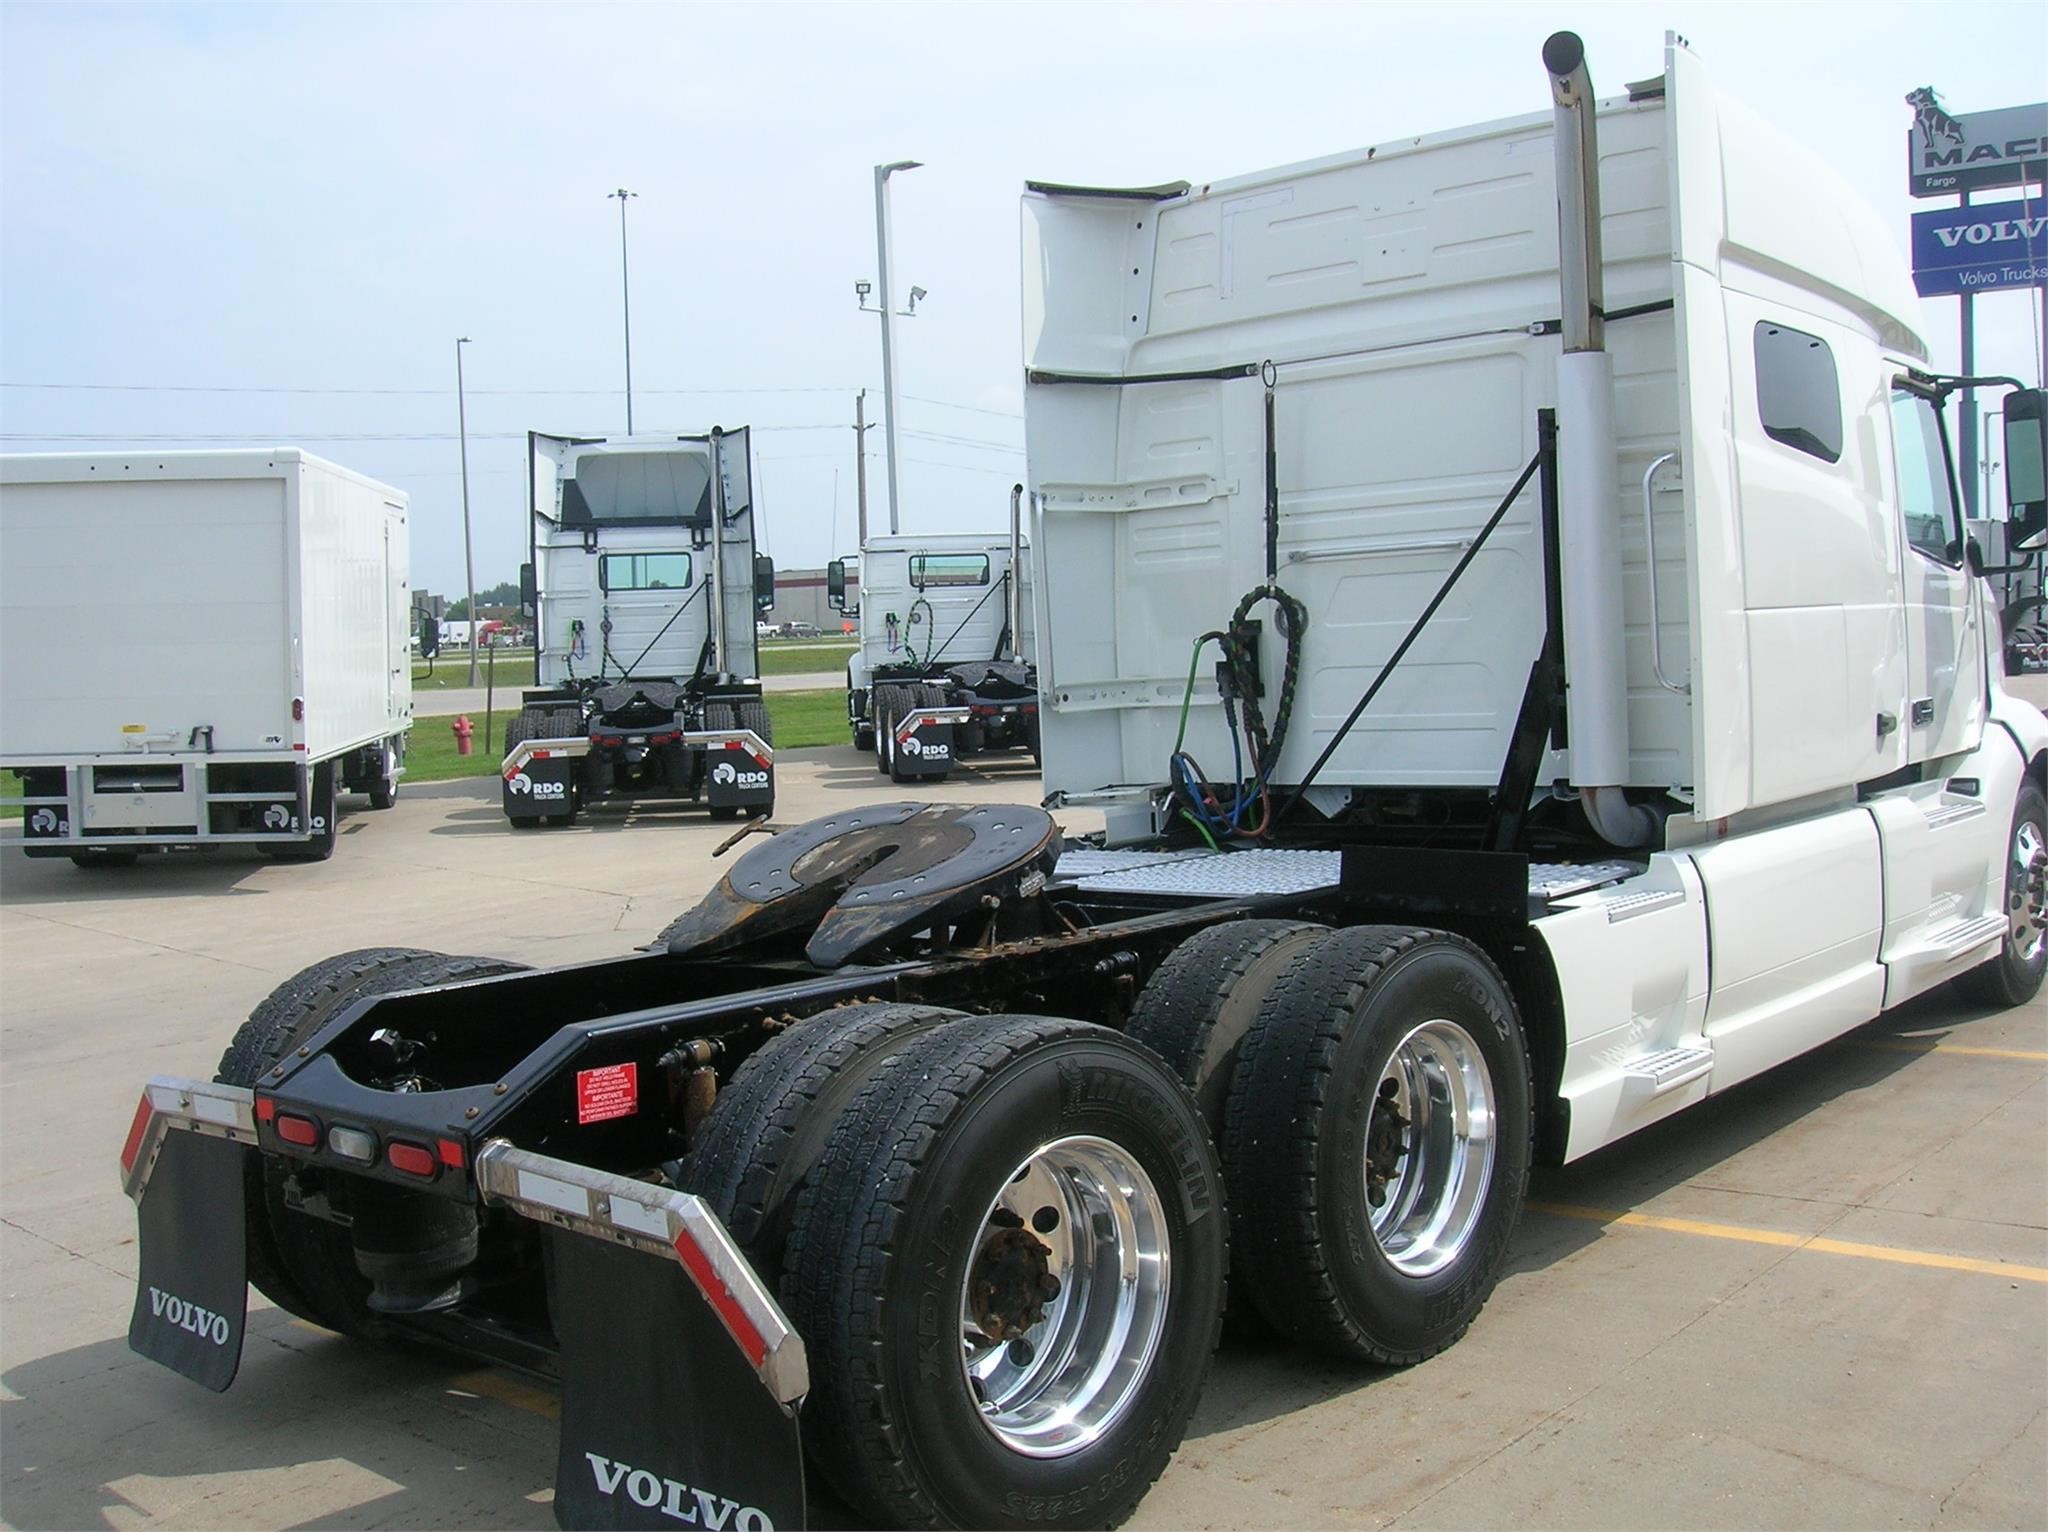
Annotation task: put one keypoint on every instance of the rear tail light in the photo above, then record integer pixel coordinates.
(411, 1159)
(352, 1144)
(451, 1153)
(298, 710)
(302, 1131)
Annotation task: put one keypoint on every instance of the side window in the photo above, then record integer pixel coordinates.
(644, 571)
(1797, 394)
(1926, 496)
(930, 570)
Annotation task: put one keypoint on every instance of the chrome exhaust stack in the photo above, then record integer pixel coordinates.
(1596, 700)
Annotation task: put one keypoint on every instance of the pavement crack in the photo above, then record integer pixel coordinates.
(44, 1239)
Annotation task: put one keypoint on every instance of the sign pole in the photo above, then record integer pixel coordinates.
(1968, 448)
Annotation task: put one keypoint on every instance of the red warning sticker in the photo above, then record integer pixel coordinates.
(602, 1094)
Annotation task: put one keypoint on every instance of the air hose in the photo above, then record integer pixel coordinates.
(1228, 811)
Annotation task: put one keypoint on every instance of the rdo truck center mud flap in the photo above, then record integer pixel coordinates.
(924, 741)
(679, 1387)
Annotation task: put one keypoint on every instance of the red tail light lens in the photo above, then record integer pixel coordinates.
(411, 1159)
(451, 1153)
(302, 1131)
(298, 710)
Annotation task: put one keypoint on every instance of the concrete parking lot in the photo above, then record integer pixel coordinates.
(1820, 1300)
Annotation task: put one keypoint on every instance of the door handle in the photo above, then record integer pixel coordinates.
(1923, 712)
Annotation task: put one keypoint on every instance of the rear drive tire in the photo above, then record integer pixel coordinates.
(1387, 1062)
(885, 729)
(306, 1265)
(755, 1153)
(384, 790)
(1195, 1010)
(2014, 976)
(954, 1385)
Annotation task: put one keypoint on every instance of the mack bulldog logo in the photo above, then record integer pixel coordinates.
(203, 1323)
(688, 1507)
(1947, 152)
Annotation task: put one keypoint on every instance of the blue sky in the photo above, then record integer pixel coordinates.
(298, 201)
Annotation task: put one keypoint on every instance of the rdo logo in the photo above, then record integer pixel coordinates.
(725, 774)
(519, 783)
(915, 746)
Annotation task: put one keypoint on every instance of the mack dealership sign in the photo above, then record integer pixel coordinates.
(1948, 154)
(1981, 248)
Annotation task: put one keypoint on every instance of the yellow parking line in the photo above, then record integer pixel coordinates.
(1914, 1045)
(509, 1390)
(1732, 1231)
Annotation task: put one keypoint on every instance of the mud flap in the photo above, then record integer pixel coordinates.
(664, 1422)
(680, 1375)
(925, 742)
(540, 787)
(183, 1166)
(736, 778)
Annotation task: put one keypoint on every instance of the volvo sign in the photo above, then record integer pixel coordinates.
(1980, 248)
(1947, 154)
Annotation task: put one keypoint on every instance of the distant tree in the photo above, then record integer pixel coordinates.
(505, 593)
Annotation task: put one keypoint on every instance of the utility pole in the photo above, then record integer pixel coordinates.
(860, 461)
(468, 557)
(889, 410)
(625, 299)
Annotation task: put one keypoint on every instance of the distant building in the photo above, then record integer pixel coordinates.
(800, 598)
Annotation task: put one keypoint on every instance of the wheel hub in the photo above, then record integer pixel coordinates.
(1429, 1148)
(1064, 1300)
(1012, 1281)
(2027, 892)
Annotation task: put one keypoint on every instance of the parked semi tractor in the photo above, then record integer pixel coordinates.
(1571, 505)
(199, 649)
(944, 670)
(644, 586)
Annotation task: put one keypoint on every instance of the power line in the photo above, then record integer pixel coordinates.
(411, 393)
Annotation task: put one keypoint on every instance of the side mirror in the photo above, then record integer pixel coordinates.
(1973, 553)
(764, 582)
(529, 593)
(430, 636)
(2026, 470)
(835, 585)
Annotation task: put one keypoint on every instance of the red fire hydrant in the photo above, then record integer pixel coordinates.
(463, 729)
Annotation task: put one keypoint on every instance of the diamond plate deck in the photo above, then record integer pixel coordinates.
(1239, 874)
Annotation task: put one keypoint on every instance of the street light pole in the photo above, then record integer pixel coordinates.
(889, 410)
(625, 299)
(860, 462)
(468, 557)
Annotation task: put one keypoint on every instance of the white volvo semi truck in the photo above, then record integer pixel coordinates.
(644, 585)
(945, 670)
(1506, 591)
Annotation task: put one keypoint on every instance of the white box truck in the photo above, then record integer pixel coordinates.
(198, 649)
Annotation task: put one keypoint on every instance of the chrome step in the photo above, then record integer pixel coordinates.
(1670, 1068)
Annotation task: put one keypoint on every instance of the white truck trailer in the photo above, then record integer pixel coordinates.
(199, 649)
(874, 1134)
(644, 586)
(945, 668)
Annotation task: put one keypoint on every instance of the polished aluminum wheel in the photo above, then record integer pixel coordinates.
(1064, 1299)
(1430, 1148)
(2026, 892)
